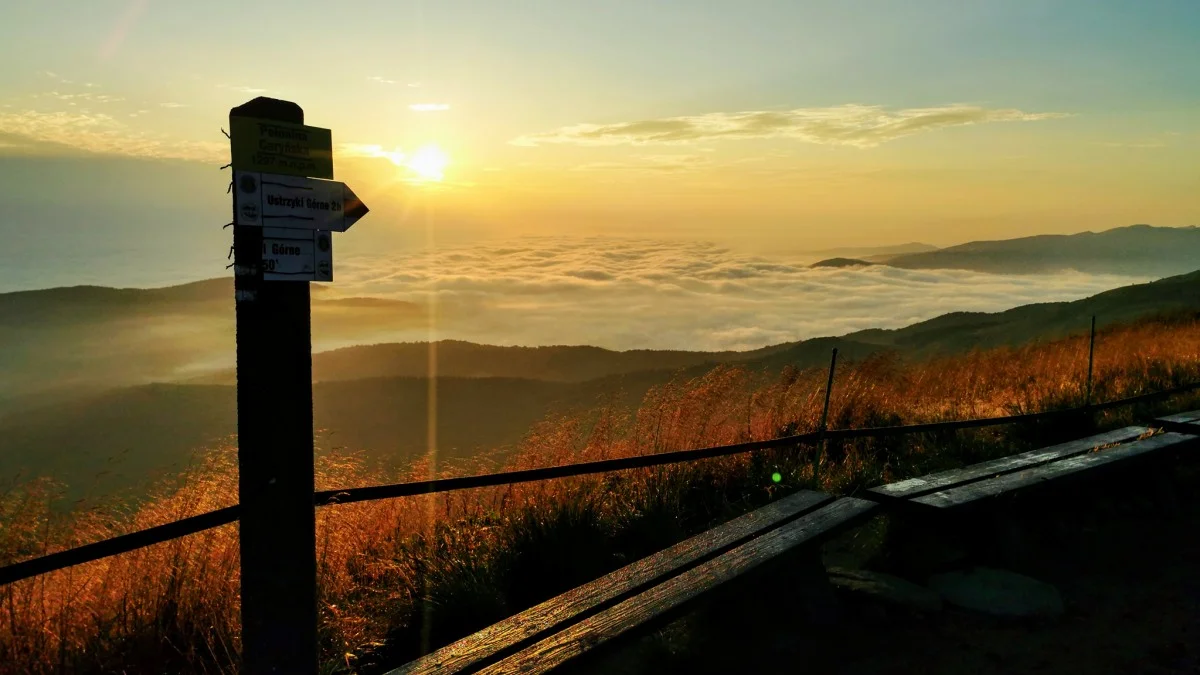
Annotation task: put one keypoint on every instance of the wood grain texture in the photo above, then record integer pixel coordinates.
(579, 601)
(677, 591)
(1192, 417)
(1186, 423)
(1012, 482)
(915, 487)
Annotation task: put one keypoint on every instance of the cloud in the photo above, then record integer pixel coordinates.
(380, 80)
(243, 89)
(104, 134)
(370, 150)
(172, 105)
(861, 126)
(86, 96)
(1137, 144)
(429, 107)
(651, 163)
(629, 294)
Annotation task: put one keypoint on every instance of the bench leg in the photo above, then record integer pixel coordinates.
(920, 546)
(1164, 493)
(1010, 545)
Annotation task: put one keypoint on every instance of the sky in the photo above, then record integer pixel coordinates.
(765, 127)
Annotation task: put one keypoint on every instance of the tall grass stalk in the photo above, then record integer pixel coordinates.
(400, 576)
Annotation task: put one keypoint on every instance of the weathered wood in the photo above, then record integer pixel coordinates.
(1182, 418)
(1012, 482)
(1187, 423)
(673, 594)
(573, 604)
(915, 487)
(1165, 496)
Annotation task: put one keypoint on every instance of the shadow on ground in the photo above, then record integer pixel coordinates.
(1128, 572)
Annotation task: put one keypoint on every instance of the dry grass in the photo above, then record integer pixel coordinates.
(399, 577)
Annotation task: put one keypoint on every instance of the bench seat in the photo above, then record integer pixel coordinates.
(1187, 422)
(672, 596)
(622, 600)
(916, 487)
(1024, 479)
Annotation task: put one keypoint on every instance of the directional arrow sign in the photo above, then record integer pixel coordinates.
(279, 147)
(273, 200)
(297, 255)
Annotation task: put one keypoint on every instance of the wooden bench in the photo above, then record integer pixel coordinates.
(647, 592)
(1186, 423)
(962, 503)
(978, 483)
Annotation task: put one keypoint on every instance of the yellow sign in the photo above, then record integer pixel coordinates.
(281, 148)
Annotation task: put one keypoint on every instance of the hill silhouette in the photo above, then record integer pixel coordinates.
(83, 339)
(959, 331)
(842, 262)
(1138, 250)
(69, 342)
(873, 253)
(375, 398)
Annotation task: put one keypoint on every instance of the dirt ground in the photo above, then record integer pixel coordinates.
(1128, 572)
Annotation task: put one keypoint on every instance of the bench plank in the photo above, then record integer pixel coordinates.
(676, 591)
(570, 605)
(1011, 482)
(1188, 422)
(915, 487)
(1182, 418)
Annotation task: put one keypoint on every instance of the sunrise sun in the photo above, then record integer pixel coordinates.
(428, 163)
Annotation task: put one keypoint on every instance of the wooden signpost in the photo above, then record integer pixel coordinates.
(273, 263)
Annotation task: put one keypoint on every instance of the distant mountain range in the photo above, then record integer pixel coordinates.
(375, 398)
(1137, 250)
(86, 338)
(873, 253)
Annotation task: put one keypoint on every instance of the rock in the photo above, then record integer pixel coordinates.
(998, 593)
(886, 588)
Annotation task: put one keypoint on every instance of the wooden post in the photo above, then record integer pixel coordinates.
(275, 451)
(1087, 402)
(825, 412)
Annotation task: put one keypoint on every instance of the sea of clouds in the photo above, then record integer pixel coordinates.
(645, 294)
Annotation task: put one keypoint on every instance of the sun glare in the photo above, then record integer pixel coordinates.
(428, 163)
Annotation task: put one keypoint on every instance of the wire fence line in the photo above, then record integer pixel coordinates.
(205, 521)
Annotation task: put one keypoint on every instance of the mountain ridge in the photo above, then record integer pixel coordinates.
(1137, 250)
(112, 441)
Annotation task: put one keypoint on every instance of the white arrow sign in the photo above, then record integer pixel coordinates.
(270, 200)
(290, 254)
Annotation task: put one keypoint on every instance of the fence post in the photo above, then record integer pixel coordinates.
(277, 529)
(1091, 355)
(825, 413)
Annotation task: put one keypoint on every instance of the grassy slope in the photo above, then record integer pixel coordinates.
(970, 330)
(408, 575)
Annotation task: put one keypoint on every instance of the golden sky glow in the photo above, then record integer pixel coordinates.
(782, 125)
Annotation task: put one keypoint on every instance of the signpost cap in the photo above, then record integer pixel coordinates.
(276, 109)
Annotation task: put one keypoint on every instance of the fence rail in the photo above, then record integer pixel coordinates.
(205, 521)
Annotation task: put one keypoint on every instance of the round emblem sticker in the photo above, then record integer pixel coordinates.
(247, 183)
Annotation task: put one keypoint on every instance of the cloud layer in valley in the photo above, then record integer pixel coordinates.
(860, 126)
(628, 294)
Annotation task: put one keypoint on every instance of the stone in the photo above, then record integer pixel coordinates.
(885, 588)
(998, 593)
